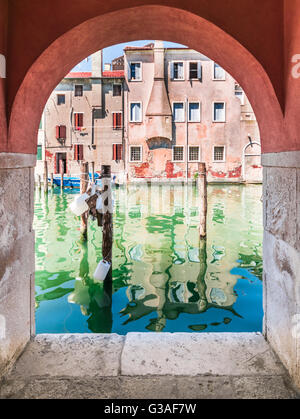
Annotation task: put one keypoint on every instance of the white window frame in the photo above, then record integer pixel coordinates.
(172, 70)
(213, 112)
(78, 84)
(135, 62)
(199, 70)
(242, 100)
(141, 148)
(130, 120)
(183, 153)
(213, 154)
(213, 72)
(199, 156)
(184, 112)
(192, 102)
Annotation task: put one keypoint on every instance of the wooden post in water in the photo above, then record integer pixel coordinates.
(93, 171)
(45, 176)
(202, 186)
(39, 182)
(107, 230)
(84, 181)
(61, 171)
(51, 180)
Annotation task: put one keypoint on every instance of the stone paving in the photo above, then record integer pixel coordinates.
(148, 365)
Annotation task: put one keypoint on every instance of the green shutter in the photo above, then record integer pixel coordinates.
(39, 152)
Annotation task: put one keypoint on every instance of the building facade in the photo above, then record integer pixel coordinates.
(182, 109)
(155, 113)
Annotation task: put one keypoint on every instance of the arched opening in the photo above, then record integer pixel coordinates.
(196, 33)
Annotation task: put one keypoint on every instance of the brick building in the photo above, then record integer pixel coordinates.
(155, 113)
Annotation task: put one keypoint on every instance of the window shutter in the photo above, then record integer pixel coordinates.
(199, 71)
(57, 131)
(76, 120)
(114, 121)
(80, 120)
(119, 151)
(75, 153)
(172, 70)
(114, 152)
(63, 132)
(80, 152)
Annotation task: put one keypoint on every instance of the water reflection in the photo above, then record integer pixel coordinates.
(164, 277)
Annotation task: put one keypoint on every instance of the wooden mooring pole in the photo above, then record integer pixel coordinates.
(202, 186)
(39, 182)
(107, 230)
(61, 171)
(51, 181)
(84, 181)
(93, 171)
(45, 176)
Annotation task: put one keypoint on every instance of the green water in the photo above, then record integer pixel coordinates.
(163, 280)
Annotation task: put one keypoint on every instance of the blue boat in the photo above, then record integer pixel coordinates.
(74, 181)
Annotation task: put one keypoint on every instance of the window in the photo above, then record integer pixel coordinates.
(135, 71)
(194, 153)
(78, 90)
(78, 121)
(218, 72)
(136, 153)
(117, 152)
(194, 112)
(178, 153)
(178, 71)
(135, 112)
(240, 95)
(219, 112)
(178, 112)
(61, 132)
(117, 120)
(39, 152)
(117, 90)
(195, 70)
(219, 154)
(61, 99)
(78, 152)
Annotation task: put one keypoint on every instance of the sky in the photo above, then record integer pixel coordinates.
(116, 51)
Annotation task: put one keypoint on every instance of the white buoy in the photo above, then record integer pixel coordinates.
(102, 270)
(79, 205)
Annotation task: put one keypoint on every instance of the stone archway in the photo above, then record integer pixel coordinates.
(281, 244)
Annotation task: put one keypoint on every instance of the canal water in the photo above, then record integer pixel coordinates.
(164, 280)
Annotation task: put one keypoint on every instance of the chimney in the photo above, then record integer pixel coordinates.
(159, 113)
(97, 64)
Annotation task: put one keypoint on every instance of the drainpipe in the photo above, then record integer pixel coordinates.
(187, 141)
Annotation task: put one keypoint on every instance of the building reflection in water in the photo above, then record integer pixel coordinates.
(159, 263)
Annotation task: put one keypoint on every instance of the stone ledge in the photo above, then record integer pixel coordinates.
(17, 160)
(70, 355)
(182, 354)
(284, 159)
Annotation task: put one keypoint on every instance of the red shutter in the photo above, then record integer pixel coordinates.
(119, 152)
(114, 151)
(75, 152)
(114, 121)
(80, 120)
(57, 132)
(80, 152)
(119, 121)
(63, 132)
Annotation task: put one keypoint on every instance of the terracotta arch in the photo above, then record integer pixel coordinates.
(126, 25)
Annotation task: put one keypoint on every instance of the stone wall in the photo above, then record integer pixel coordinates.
(16, 255)
(282, 257)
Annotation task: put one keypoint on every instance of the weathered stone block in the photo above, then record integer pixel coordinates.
(198, 354)
(280, 196)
